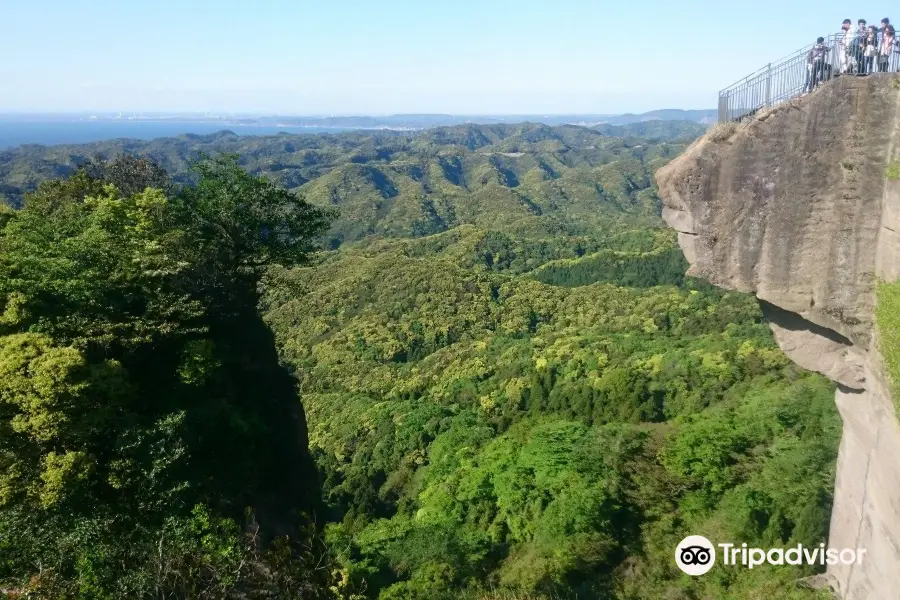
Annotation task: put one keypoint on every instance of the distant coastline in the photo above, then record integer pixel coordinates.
(17, 129)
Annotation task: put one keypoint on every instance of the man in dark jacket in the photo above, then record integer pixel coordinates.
(859, 47)
(815, 64)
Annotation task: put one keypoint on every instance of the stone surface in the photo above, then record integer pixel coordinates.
(794, 206)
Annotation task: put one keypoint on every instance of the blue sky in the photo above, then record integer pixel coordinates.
(390, 56)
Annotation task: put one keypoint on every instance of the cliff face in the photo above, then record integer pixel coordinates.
(794, 207)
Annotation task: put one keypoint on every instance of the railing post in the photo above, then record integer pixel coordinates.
(723, 108)
(769, 86)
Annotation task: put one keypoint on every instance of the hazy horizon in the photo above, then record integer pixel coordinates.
(186, 113)
(75, 128)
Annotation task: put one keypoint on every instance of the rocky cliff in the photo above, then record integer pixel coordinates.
(794, 206)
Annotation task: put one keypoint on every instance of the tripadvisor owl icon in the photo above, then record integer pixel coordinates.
(695, 555)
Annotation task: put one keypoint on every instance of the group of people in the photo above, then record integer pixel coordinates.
(862, 50)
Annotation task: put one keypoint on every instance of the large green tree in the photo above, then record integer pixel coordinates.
(142, 405)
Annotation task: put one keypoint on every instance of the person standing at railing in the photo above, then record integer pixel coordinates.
(885, 23)
(845, 42)
(886, 49)
(858, 48)
(870, 44)
(815, 64)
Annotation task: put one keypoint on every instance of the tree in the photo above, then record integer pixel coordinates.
(138, 384)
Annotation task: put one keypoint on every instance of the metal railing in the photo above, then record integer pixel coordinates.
(793, 76)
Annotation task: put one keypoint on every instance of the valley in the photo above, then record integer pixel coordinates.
(510, 388)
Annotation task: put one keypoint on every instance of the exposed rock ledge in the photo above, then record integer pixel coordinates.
(794, 207)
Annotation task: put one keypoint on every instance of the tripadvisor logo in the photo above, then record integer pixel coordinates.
(696, 555)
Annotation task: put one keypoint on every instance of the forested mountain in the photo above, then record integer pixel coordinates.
(511, 389)
(293, 160)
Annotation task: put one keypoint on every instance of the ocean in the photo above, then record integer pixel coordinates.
(14, 133)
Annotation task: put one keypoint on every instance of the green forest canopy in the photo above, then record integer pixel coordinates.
(143, 406)
(509, 384)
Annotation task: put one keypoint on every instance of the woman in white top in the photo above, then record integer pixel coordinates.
(844, 44)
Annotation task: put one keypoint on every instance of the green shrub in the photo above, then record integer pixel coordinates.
(893, 171)
(887, 319)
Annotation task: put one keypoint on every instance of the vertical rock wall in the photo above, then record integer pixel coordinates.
(794, 207)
